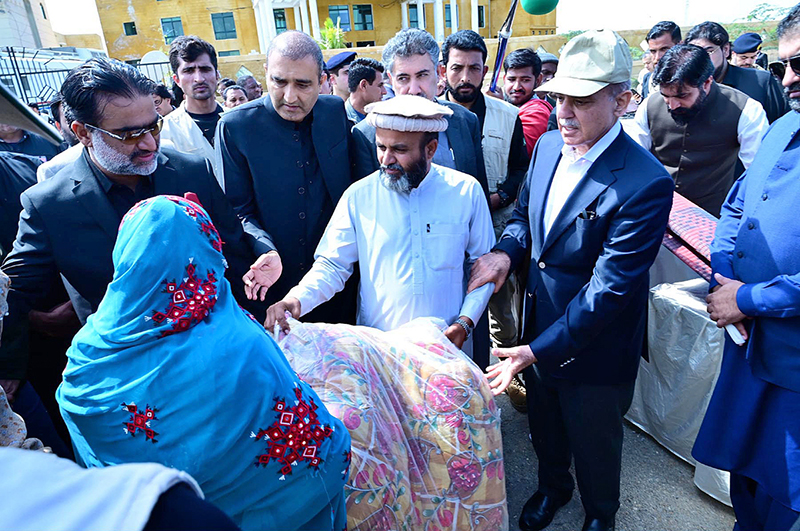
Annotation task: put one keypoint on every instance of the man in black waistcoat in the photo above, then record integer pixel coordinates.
(758, 84)
(699, 130)
(285, 163)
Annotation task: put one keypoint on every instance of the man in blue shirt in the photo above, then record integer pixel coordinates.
(751, 427)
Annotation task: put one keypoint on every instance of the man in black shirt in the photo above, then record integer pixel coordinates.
(191, 127)
(16, 140)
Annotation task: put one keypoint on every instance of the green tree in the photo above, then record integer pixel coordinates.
(332, 36)
(766, 11)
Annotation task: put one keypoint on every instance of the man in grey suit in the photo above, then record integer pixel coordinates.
(411, 58)
(68, 225)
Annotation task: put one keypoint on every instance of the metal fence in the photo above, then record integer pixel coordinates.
(35, 76)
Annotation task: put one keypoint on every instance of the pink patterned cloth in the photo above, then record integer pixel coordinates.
(690, 231)
(426, 441)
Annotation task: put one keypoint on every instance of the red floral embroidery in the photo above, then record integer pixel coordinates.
(191, 301)
(295, 437)
(140, 421)
(206, 227)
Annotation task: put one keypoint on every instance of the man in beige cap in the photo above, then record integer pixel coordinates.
(410, 227)
(592, 212)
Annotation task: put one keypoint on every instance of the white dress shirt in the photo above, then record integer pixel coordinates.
(750, 129)
(569, 173)
(411, 250)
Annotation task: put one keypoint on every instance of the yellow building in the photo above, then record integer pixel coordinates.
(242, 27)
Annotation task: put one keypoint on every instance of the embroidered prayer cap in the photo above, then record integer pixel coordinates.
(412, 114)
(590, 62)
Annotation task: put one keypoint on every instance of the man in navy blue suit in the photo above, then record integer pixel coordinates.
(592, 213)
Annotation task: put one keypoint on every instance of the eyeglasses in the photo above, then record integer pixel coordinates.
(131, 137)
(711, 50)
(778, 68)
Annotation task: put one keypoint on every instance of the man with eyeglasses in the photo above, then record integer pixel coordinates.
(757, 84)
(68, 225)
(699, 130)
(751, 426)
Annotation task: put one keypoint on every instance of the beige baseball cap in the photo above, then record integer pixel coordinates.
(589, 62)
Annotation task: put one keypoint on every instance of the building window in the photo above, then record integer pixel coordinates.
(280, 20)
(448, 21)
(224, 26)
(481, 16)
(342, 14)
(413, 18)
(129, 28)
(365, 43)
(362, 17)
(134, 62)
(44, 14)
(171, 27)
(228, 53)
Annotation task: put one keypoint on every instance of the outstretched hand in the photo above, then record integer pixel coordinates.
(512, 361)
(262, 275)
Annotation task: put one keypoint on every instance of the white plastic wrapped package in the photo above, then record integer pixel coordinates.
(673, 389)
(426, 440)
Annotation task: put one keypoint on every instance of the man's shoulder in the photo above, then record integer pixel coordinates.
(245, 113)
(460, 114)
(498, 105)
(366, 129)
(458, 179)
(535, 106)
(180, 160)
(329, 104)
(639, 161)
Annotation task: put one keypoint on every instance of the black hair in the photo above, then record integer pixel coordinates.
(225, 82)
(684, 64)
(178, 92)
(710, 31)
(188, 48)
(88, 87)
(163, 92)
(241, 80)
(523, 58)
(230, 88)
(363, 68)
(790, 24)
(55, 107)
(466, 41)
(664, 27)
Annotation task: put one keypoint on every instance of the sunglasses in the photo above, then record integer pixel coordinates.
(132, 137)
(778, 68)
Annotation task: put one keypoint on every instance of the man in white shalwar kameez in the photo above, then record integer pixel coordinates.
(412, 227)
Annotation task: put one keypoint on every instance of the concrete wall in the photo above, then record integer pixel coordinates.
(84, 40)
(195, 17)
(20, 27)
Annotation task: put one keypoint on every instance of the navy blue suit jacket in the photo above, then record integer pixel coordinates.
(756, 243)
(586, 297)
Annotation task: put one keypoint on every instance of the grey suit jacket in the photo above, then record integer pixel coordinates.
(68, 229)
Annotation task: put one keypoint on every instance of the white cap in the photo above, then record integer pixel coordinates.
(413, 114)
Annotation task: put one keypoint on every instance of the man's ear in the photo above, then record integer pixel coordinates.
(175, 79)
(363, 84)
(707, 84)
(622, 101)
(430, 149)
(82, 133)
(485, 69)
(538, 80)
(441, 70)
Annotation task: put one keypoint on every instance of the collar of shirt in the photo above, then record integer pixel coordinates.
(24, 138)
(596, 150)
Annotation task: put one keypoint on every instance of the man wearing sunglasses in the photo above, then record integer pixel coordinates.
(757, 84)
(751, 426)
(68, 225)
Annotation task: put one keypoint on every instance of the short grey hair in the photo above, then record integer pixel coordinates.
(296, 45)
(408, 42)
(615, 89)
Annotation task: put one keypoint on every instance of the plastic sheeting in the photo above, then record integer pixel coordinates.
(426, 440)
(673, 389)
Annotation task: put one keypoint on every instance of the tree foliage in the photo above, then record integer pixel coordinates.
(332, 36)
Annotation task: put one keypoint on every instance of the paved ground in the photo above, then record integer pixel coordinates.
(657, 489)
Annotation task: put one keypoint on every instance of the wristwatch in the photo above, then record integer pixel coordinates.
(505, 200)
(465, 325)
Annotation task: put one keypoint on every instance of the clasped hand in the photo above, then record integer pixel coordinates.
(722, 305)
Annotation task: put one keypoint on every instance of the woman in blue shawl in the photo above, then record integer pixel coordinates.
(170, 370)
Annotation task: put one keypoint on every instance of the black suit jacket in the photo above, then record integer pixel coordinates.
(761, 86)
(68, 227)
(258, 154)
(17, 174)
(463, 135)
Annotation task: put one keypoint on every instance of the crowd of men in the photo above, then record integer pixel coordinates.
(374, 192)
